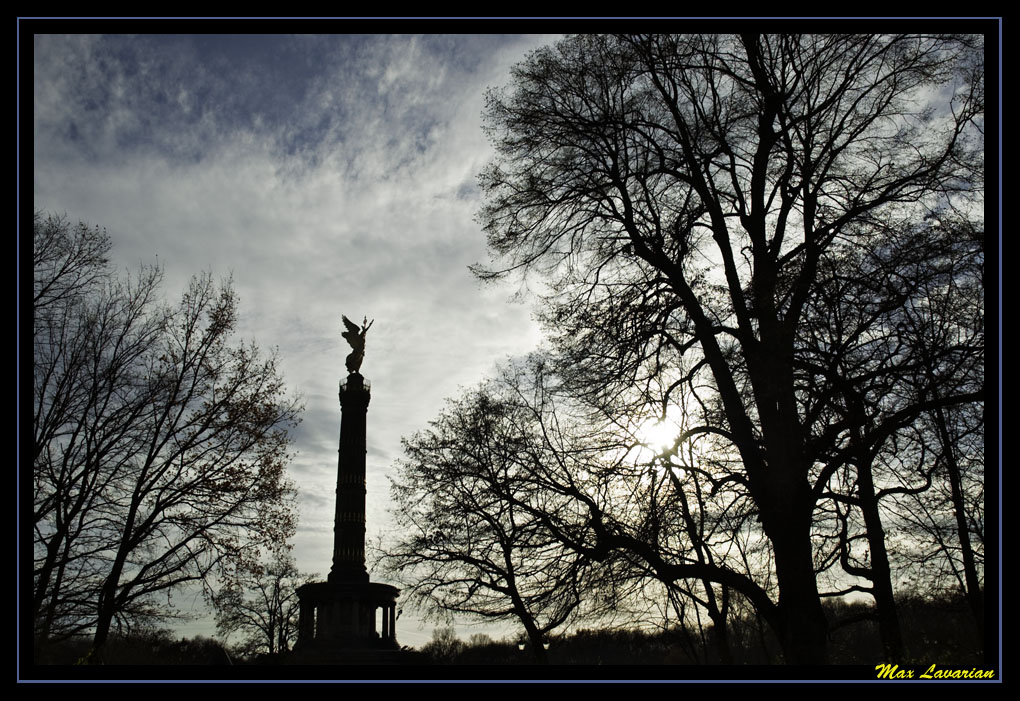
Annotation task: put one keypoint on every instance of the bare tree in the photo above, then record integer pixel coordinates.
(445, 646)
(160, 449)
(68, 261)
(259, 600)
(943, 528)
(694, 188)
(91, 333)
(868, 325)
(465, 545)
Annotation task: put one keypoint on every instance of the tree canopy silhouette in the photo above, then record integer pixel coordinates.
(470, 540)
(688, 200)
(160, 448)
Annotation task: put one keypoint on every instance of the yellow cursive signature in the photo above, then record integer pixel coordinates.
(893, 671)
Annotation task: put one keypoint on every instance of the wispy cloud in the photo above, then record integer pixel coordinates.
(327, 175)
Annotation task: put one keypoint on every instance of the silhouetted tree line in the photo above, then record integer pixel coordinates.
(770, 250)
(938, 631)
(144, 648)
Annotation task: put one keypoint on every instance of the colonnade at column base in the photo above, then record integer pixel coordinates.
(339, 618)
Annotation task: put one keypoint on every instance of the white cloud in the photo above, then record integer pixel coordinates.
(328, 175)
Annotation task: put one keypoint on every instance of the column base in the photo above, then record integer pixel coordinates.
(341, 615)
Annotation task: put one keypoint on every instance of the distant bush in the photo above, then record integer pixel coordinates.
(156, 647)
(445, 647)
(935, 631)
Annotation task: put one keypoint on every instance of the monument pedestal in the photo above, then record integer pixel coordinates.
(340, 615)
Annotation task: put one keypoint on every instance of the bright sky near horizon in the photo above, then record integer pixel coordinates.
(327, 175)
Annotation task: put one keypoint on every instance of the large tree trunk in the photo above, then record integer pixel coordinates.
(881, 573)
(107, 610)
(718, 613)
(787, 521)
(108, 603)
(805, 636)
(534, 634)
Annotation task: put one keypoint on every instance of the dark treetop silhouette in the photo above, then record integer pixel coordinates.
(356, 337)
(691, 201)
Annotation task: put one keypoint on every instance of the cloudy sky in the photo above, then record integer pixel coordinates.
(328, 175)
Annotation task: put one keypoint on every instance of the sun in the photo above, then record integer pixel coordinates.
(658, 433)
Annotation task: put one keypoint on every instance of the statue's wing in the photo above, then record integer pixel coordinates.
(351, 326)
